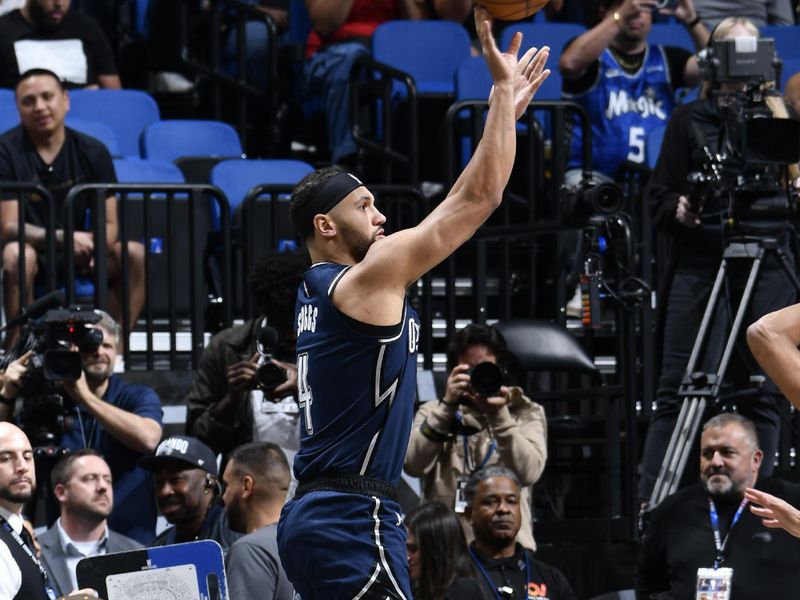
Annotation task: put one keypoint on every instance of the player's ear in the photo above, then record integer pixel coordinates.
(324, 225)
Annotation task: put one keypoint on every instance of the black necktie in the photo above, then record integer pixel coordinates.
(26, 537)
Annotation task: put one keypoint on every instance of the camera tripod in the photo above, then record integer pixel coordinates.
(699, 388)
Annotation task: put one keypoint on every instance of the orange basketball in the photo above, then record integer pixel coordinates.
(512, 10)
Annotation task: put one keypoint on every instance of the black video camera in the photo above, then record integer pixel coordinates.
(591, 195)
(55, 337)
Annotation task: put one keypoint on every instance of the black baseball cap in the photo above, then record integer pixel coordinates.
(182, 449)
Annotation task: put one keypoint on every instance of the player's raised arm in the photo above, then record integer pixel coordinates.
(773, 340)
(403, 257)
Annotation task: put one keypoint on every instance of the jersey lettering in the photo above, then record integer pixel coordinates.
(413, 336)
(620, 103)
(305, 398)
(307, 319)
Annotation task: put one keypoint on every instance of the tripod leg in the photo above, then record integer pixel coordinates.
(680, 444)
(702, 333)
(788, 268)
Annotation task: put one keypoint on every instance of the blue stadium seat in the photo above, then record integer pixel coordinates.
(473, 80)
(170, 140)
(139, 170)
(671, 34)
(790, 67)
(96, 129)
(429, 51)
(9, 117)
(555, 35)
(299, 22)
(237, 177)
(653, 145)
(787, 39)
(127, 112)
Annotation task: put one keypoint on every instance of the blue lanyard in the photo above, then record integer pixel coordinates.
(718, 542)
(489, 452)
(45, 579)
(491, 583)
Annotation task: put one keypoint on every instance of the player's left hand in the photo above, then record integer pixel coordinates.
(774, 512)
(491, 404)
(528, 78)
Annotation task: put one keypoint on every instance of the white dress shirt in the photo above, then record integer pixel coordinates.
(10, 575)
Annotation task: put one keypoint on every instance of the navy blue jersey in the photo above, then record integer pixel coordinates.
(356, 385)
(623, 108)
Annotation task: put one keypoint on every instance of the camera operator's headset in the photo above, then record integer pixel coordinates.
(213, 483)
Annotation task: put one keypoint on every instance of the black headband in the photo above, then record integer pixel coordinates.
(328, 195)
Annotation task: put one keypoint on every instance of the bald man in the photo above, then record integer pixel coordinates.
(21, 573)
(791, 92)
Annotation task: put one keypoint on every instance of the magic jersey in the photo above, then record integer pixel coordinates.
(623, 108)
(356, 385)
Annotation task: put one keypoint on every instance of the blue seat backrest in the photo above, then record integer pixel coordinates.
(791, 66)
(96, 129)
(140, 170)
(127, 112)
(9, 117)
(787, 39)
(173, 139)
(237, 177)
(653, 145)
(671, 34)
(473, 80)
(554, 35)
(142, 17)
(429, 51)
(299, 22)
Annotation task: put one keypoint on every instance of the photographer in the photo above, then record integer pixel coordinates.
(466, 431)
(226, 406)
(695, 220)
(100, 411)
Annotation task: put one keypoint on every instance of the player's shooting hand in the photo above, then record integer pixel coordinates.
(774, 512)
(289, 386)
(528, 78)
(502, 65)
(684, 213)
(242, 375)
(491, 404)
(457, 385)
(14, 377)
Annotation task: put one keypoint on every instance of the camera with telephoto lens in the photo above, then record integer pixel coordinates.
(269, 375)
(55, 337)
(486, 379)
(585, 195)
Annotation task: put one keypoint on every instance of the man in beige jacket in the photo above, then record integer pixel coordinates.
(466, 431)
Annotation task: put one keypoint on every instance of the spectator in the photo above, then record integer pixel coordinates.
(21, 573)
(43, 150)
(438, 561)
(81, 481)
(340, 30)
(697, 238)
(44, 34)
(493, 509)
(464, 432)
(187, 492)
(791, 92)
(256, 481)
(226, 407)
(120, 421)
(706, 524)
(625, 84)
(758, 12)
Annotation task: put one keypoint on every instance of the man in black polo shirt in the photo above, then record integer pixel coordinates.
(41, 149)
(45, 34)
(505, 569)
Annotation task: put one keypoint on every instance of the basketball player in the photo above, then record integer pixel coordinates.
(342, 534)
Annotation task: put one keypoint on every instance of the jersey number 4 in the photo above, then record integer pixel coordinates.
(305, 398)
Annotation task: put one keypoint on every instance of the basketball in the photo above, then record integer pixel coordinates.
(512, 10)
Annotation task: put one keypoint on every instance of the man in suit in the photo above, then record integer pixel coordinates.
(82, 485)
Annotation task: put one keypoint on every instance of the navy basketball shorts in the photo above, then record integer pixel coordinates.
(337, 545)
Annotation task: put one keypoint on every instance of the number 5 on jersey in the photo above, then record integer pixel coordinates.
(305, 399)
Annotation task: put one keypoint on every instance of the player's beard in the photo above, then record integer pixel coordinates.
(357, 243)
